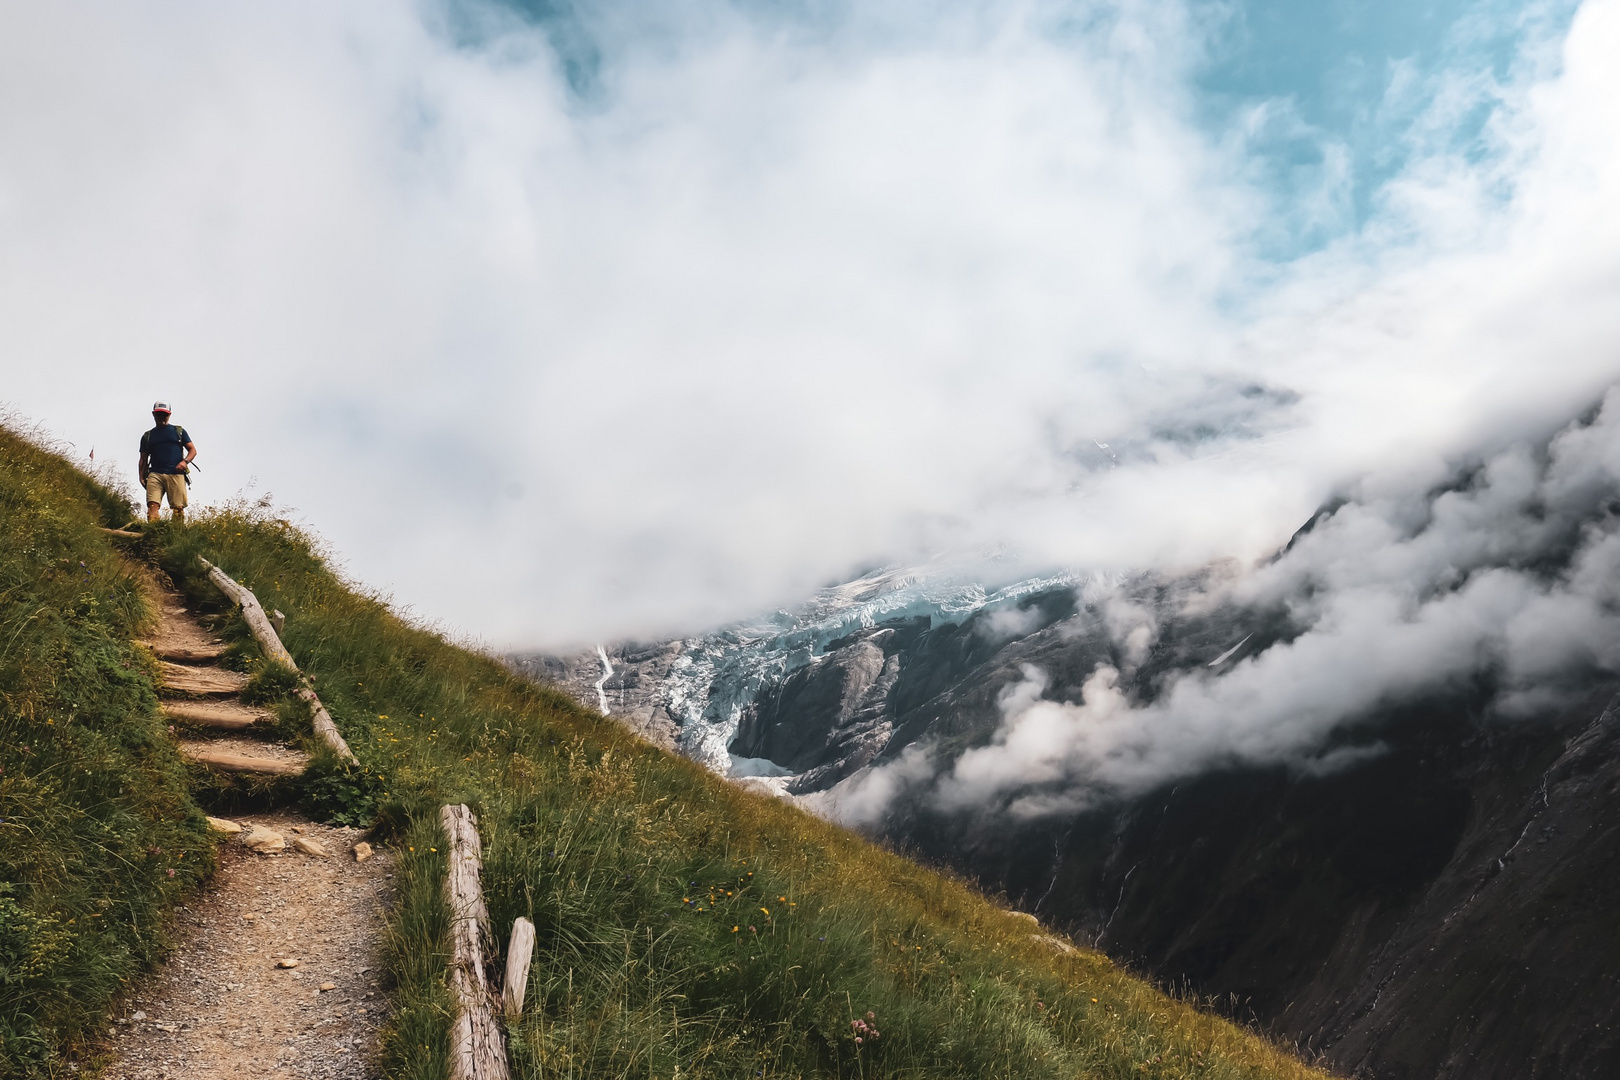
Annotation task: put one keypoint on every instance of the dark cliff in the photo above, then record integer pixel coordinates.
(1444, 909)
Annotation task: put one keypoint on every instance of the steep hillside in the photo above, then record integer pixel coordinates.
(684, 923)
(686, 927)
(1445, 911)
(1363, 793)
(1440, 910)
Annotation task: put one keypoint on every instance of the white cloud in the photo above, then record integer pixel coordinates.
(1505, 581)
(775, 303)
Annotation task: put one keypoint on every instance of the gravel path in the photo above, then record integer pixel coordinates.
(222, 1008)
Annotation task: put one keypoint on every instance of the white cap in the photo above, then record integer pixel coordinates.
(161, 406)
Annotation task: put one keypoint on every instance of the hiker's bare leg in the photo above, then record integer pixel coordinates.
(152, 511)
(179, 514)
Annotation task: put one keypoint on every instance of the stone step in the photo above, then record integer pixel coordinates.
(180, 679)
(226, 715)
(188, 654)
(230, 759)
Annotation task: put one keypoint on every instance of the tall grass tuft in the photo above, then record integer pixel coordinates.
(685, 928)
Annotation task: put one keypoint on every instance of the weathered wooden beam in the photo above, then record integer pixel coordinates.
(477, 1044)
(257, 621)
(226, 715)
(230, 761)
(189, 654)
(185, 679)
(518, 954)
(270, 643)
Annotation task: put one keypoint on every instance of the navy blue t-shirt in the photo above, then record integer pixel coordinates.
(165, 448)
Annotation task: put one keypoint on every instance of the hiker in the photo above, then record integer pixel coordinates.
(166, 453)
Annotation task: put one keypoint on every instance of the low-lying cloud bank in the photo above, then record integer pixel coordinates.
(1501, 578)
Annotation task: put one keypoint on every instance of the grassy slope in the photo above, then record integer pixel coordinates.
(97, 833)
(686, 928)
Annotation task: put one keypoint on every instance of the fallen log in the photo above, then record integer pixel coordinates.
(477, 1045)
(270, 643)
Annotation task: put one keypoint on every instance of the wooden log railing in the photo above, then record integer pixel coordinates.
(477, 1043)
(270, 644)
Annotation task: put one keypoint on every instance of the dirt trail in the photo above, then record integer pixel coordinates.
(222, 1006)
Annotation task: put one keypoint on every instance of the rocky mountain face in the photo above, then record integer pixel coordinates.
(815, 684)
(631, 687)
(1366, 795)
(848, 690)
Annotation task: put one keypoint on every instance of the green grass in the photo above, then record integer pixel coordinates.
(685, 927)
(98, 836)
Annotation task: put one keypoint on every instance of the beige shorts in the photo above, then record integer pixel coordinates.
(170, 484)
